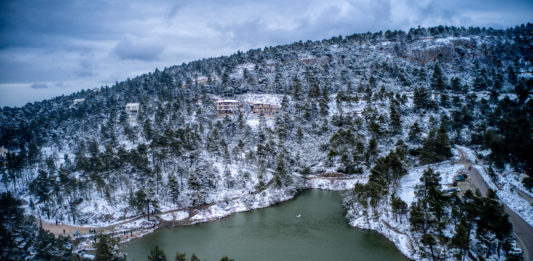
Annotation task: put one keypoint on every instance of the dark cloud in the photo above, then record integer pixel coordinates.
(89, 43)
(39, 86)
(48, 85)
(137, 49)
(85, 69)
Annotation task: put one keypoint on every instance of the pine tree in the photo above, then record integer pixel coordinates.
(281, 176)
(493, 223)
(194, 258)
(173, 187)
(444, 100)
(374, 127)
(511, 75)
(324, 108)
(157, 254)
(395, 120)
(16, 230)
(325, 94)
(140, 201)
(414, 132)
(314, 91)
(180, 257)
(426, 216)
(47, 247)
(389, 168)
(399, 207)
(372, 150)
(41, 187)
(296, 89)
(299, 135)
(436, 146)
(107, 249)
(461, 240)
(421, 99)
(456, 84)
(437, 80)
(479, 84)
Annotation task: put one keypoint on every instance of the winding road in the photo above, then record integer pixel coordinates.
(523, 231)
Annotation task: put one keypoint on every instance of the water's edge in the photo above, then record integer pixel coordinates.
(163, 224)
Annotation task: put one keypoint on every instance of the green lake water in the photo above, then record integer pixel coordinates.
(274, 233)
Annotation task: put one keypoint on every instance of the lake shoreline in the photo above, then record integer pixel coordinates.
(313, 182)
(345, 222)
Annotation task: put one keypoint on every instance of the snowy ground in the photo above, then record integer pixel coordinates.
(315, 182)
(385, 224)
(179, 215)
(448, 171)
(263, 199)
(274, 99)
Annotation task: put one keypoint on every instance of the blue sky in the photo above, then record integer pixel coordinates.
(49, 48)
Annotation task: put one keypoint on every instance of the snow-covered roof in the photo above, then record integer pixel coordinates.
(224, 100)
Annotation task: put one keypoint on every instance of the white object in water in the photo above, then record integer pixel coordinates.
(298, 216)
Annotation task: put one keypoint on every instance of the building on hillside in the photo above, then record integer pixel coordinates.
(225, 107)
(76, 101)
(202, 80)
(3, 152)
(265, 108)
(132, 110)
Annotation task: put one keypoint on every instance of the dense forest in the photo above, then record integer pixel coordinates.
(372, 104)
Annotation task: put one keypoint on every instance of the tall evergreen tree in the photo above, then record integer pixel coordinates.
(414, 132)
(173, 187)
(437, 79)
(421, 99)
(157, 254)
(461, 240)
(426, 214)
(180, 256)
(395, 120)
(16, 231)
(436, 146)
(107, 249)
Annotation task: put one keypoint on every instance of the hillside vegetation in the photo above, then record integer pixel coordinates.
(373, 104)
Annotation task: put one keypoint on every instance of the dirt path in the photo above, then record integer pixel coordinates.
(412, 248)
(523, 231)
(63, 229)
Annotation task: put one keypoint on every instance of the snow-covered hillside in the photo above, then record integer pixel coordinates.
(365, 113)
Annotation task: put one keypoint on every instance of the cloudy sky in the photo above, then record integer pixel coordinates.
(49, 48)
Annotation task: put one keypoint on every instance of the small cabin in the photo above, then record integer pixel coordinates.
(76, 101)
(202, 80)
(225, 107)
(132, 110)
(3, 152)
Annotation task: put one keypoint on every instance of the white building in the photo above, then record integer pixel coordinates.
(3, 152)
(132, 109)
(265, 108)
(76, 101)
